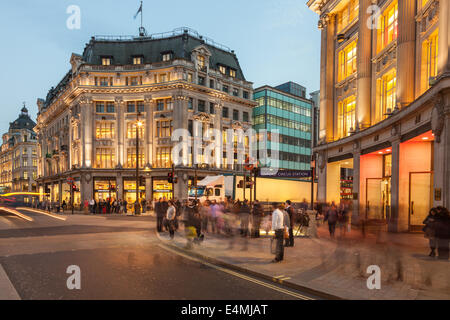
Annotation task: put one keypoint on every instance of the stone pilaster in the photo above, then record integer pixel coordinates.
(327, 103)
(148, 189)
(444, 37)
(393, 223)
(87, 119)
(120, 131)
(406, 46)
(149, 136)
(441, 130)
(364, 53)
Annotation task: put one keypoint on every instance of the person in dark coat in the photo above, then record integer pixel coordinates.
(291, 212)
(245, 218)
(160, 213)
(430, 230)
(257, 216)
(332, 217)
(442, 232)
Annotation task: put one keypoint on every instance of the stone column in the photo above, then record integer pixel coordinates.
(441, 130)
(119, 186)
(86, 123)
(149, 109)
(87, 189)
(180, 113)
(327, 95)
(444, 37)
(406, 46)
(120, 124)
(364, 54)
(322, 178)
(181, 188)
(393, 223)
(148, 189)
(60, 191)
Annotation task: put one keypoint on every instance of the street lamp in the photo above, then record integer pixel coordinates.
(139, 125)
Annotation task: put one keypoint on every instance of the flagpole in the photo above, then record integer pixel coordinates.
(142, 12)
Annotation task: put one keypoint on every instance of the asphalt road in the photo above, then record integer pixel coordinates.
(118, 259)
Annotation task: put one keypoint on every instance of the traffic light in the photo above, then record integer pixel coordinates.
(74, 188)
(170, 177)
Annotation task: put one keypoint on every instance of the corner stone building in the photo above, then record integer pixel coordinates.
(385, 108)
(18, 156)
(87, 123)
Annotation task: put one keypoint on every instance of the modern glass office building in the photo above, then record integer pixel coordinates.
(283, 109)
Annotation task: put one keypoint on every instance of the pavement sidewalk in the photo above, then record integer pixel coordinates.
(336, 268)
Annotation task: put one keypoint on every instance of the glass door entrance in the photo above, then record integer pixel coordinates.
(374, 202)
(420, 201)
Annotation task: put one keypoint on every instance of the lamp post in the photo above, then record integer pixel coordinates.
(139, 125)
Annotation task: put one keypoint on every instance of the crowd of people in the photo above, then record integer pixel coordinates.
(228, 218)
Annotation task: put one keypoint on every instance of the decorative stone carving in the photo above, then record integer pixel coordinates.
(202, 117)
(437, 117)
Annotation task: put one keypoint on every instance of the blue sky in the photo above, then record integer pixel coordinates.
(275, 40)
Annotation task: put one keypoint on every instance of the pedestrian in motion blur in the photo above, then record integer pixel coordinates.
(278, 227)
(170, 216)
(442, 232)
(291, 213)
(160, 213)
(332, 217)
(430, 230)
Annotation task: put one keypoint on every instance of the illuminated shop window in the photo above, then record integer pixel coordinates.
(105, 130)
(387, 85)
(131, 157)
(347, 15)
(388, 26)
(347, 61)
(131, 130)
(429, 59)
(346, 116)
(163, 157)
(164, 128)
(105, 158)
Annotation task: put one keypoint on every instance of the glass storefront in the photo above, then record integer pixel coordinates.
(105, 188)
(162, 189)
(129, 193)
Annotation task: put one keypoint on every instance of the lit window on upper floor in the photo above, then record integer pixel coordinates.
(387, 94)
(429, 67)
(166, 56)
(222, 69)
(233, 73)
(347, 15)
(201, 62)
(346, 116)
(347, 61)
(387, 26)
(106, 61)
(138, 60)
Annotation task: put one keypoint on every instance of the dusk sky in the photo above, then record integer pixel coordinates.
(275, 40)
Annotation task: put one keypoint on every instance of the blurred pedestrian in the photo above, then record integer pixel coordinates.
(291, 213)
(442, 232)
(278, 227)
(170, 216)
(430, 230)
(257, 216)
(331, 216)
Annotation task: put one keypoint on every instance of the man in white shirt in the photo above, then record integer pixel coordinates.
(278, 227)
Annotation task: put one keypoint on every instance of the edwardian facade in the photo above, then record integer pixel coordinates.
(384, 107)
(18, 156)
(87, 124)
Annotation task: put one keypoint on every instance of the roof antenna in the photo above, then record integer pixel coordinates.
(142, 31)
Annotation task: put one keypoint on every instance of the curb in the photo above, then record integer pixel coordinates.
(227, 265)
